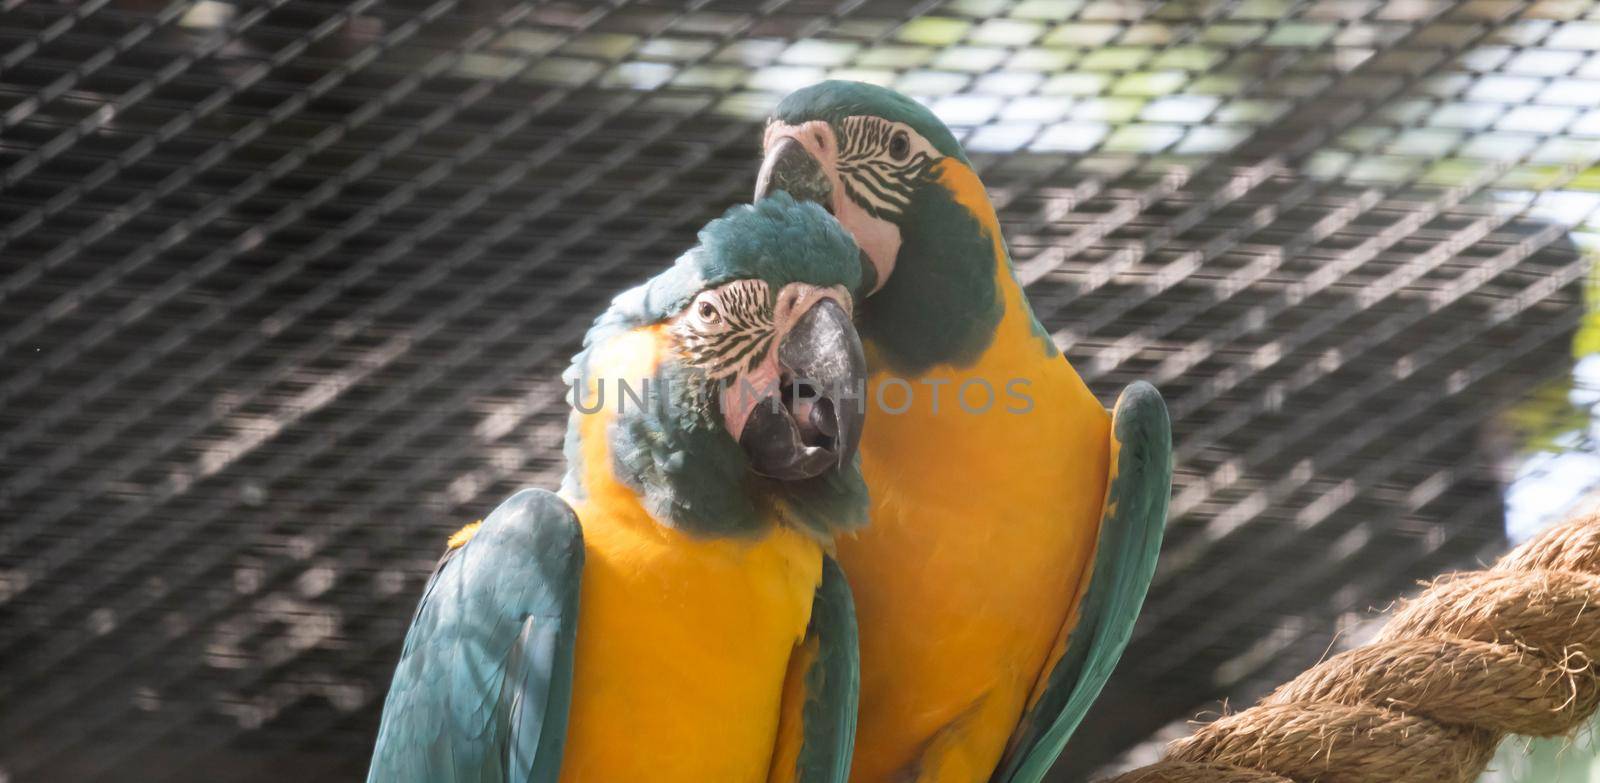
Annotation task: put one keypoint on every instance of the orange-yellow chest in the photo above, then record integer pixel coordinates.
(983, 525)
(683, 642)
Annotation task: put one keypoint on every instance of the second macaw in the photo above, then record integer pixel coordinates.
(671, 615)
(1015, 523)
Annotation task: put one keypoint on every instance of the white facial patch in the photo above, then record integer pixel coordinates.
(727, 329)
(731, 333)
(872, 165)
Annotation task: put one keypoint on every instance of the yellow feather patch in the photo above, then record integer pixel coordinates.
(791, 721)
(460, 538)
(677, 633)
(963, 596)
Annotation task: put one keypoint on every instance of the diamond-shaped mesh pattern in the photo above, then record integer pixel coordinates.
(286, 289)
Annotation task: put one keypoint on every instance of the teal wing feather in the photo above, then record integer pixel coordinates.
(1125, 559)
(485, 678)
(833, 683)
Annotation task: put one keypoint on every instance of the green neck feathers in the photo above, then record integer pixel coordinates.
(941, 305)
(690, 475)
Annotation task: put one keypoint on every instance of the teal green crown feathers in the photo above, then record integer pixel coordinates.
(835, 100)
(778, 240)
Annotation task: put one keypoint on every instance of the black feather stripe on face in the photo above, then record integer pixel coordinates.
(871, 177)
(741, 336)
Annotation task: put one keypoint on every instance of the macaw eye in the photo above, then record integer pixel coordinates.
(708, 312)
(900, 145)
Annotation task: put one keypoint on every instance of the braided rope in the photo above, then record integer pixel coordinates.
(1477, 656)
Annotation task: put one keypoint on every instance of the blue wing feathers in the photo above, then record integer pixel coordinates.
(833, 683)
(485, 677)
(1125, 558)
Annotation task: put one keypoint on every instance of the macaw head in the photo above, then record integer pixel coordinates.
(755, 395)
(897, 179)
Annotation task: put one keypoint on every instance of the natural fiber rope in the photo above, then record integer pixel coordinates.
(1475, 657)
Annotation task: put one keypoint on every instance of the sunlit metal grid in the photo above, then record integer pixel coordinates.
(285, 289)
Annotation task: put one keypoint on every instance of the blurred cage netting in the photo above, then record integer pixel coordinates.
(286, 289)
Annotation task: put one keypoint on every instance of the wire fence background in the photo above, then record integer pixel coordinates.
(286, 289)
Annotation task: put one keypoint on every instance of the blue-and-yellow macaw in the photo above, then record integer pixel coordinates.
(1015, 524)
(671, 615)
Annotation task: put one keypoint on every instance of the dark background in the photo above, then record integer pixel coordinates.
(286, 289)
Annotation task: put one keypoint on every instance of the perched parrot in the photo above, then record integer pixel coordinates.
(671, 614)
(1011, 545)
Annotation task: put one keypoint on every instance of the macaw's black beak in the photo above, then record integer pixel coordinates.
(813, 424)
(789, 167)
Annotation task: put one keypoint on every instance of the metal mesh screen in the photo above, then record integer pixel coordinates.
(286, 289)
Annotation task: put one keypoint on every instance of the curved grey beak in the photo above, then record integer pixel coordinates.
(813, 424)
(789, 167)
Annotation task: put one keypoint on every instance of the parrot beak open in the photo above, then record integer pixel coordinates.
(789, 167)
(813, 424)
